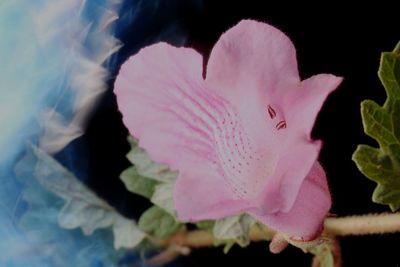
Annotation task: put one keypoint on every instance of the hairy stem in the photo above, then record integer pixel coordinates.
(369, 224)
(353, 225)
(182, 242)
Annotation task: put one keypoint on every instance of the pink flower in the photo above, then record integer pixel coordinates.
(240, 138)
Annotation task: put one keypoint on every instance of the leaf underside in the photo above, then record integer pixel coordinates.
(382, 123)
(83, 208)
(155, 182)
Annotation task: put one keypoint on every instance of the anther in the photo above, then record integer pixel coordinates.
(271, 112)
(281, 125)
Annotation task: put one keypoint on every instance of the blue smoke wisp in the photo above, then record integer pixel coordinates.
(52, 56)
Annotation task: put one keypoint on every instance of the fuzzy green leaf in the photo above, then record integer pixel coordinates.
(83, 208)
(206, 225)
(149, 179)
(234, 229)
(163, 197)
(323, 255)
(137, 183)
(157, 222)
(382, 123)
(146, 167)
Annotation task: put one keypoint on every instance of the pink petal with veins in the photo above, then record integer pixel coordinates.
(305, 218)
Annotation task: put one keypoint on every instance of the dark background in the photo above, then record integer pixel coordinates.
(329, 39)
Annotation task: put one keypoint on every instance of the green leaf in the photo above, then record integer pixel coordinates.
(38, 222)
(126, 233)
(382, 123)
(324, 255)
(234, 229)
(83, 208)
(146, 167)
(157, 222)
(149, 179)
(163, 197)
(206, 225)
(138, 184)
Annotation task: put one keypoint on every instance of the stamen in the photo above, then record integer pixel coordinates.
(281, 125)
(271, 112)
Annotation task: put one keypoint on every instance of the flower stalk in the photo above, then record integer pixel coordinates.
(369, 224)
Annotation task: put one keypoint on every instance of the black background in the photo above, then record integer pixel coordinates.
(329, 38)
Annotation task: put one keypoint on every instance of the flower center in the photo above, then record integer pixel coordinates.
(272, 114)
(245, 169)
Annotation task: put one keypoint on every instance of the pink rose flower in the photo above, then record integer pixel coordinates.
(240, 138)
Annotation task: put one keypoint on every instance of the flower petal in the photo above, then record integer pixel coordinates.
(150, 89)
(305, 219)
(282, 188)
(304, 102)
(200, 195)
(179, 122)
(253, 65)
(252, 60)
